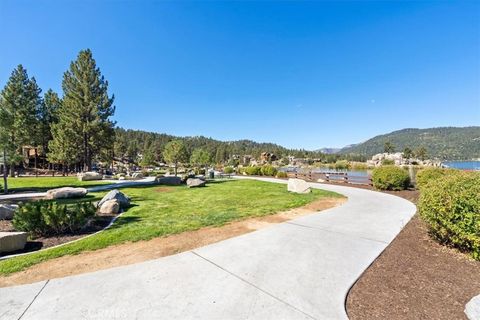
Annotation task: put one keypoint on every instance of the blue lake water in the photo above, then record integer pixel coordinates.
(463, 165)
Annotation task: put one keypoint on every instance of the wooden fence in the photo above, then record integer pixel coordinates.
(342, 177)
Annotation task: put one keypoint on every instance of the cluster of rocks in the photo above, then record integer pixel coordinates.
(113, 202)
(399, 160)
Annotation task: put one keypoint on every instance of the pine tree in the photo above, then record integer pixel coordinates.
(84, 115)
(19, 101)
(175, 152)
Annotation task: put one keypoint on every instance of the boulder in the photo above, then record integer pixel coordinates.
(89, 176)
(121, 178)
(298, 186)
(66, 192)
(110, 207)
(472, 309)
(12, 241)
(320, 180)
(122, 199)
(169, 181)
(137, 175)
(195, 182)
(7, 211)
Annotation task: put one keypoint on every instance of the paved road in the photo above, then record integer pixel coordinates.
(300, 269)
(114, 184)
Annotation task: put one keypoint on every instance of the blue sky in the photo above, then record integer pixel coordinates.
(301, 74)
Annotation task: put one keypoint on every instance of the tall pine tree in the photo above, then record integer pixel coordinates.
(84, 131)
(19, 101)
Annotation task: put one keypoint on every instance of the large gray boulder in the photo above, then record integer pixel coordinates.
(7, 211)
(89, 176)
(298, 186)
(66, 192)
(110, 207)
(169, 181)
(472, 309)
(195, 182)
(12, 241)
(121, 198)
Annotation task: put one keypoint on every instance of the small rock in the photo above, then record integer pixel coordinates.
(121, 198)
(12, 241)
(472, 309)
(66, 192)
(110, 207)
(298, 186)
(169, 181)
(320, 180)
(89, 176)
(195, 182)
(7, 211)
(137, 175)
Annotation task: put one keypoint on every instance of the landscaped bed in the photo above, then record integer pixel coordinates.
(159, 211)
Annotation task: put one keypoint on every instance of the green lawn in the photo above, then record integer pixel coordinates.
(158, 211)
(44, 183)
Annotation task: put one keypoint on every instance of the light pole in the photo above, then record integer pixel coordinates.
(5, 184)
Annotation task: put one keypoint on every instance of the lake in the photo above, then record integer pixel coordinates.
(462, 165)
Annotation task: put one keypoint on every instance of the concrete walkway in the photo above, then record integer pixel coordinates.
(112, 185)
(300, 269)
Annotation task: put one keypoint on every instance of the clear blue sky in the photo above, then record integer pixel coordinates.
(301, 74)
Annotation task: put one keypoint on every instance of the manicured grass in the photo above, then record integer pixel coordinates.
(44, 183)
(158, 211)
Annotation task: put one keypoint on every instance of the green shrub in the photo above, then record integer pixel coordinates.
(388, 162)
(390, 178)
(424, 176)
(451, 207)
(253, 170)
(342, 164)
(282, 174)
(268, 170)
(228, 170)
(46, 218)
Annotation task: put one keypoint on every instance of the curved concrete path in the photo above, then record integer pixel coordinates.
(300, 269)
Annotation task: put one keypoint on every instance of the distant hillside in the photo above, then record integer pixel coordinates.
(449, 143)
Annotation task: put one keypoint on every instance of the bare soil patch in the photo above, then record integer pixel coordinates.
(133, 252)
(415, 278)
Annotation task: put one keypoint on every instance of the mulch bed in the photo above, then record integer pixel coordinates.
(415, 278)
(100, 222)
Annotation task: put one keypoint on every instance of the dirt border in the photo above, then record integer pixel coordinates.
(134, 252)
(414, 278)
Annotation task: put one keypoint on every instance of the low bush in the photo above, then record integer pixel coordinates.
(268, 170)
(50, 218)
(451, 207)
(228, 170)
(342, 165)
(388, 162)
(424, 176)
(390, 178)
(282, 174)
(253, 170)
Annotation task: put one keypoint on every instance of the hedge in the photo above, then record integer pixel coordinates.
(424, 176)
(451, 207)
(390, 178)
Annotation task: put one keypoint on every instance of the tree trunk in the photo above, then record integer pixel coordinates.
(175, 169)
(36, 157)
